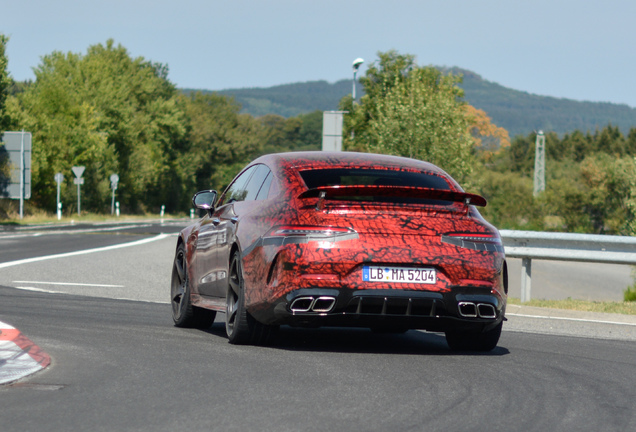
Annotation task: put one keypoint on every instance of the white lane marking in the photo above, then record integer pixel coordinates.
(83, 252)
(2, 237)
(571, 319)
(24, 288)
(69, 284)
(79, 231)
(38, 290)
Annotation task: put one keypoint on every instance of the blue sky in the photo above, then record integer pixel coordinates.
(577, 49)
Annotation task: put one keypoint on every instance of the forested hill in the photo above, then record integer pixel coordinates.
(517, 111)
(289, 100)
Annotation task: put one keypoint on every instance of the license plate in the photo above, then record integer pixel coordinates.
(399, 274)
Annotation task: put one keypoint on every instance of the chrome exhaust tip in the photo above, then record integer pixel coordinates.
(302, 304)
(323, 304)
(481, 310)
(467, 309)
(306, 304)
(486, 310)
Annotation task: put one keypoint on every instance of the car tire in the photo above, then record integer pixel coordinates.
(183, 313)
(240, 326)
(471, 341)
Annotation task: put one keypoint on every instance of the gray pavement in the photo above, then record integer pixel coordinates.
(561, 322)
(142, 273)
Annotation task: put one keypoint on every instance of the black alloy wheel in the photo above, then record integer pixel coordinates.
(183, 313)
(240, 326)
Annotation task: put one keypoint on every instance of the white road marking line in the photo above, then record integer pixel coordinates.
(38, 290)
(69, 284)
(79, 231)
(571, 319)
(105, 298)
(2, 237)
(83, 252)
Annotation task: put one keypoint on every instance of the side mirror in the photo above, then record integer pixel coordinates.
(204, 200)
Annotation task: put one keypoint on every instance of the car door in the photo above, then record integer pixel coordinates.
(230, 218)
(213, 235)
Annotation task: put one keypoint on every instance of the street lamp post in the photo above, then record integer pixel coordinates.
(356, 65)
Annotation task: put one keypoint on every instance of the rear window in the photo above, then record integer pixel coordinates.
(371, 177)
(376, 177)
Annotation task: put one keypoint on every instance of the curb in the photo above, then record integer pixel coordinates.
(19, 357)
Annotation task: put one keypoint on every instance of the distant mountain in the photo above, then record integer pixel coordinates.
(517, 111)
(289, 100)
(521, 112)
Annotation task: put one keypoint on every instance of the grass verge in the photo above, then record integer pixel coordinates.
(626, 308)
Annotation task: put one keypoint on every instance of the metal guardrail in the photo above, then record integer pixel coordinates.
(529, 245)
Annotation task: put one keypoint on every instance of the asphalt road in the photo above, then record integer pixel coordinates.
(122, 365)
(18, 243)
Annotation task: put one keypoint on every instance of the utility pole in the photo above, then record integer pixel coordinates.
(539, 164)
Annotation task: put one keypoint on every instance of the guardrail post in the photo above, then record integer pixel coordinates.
(526, 279)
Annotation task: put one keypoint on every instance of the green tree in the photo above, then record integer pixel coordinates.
(610, 140)
(112, 114)
(303, 132)
(390, 69)
(577, 145)
(609, 182)
(630, 203)
(310, 133)
(630, 144)
(220, 141)
(5, 82)
(510, 203)
(411, 111)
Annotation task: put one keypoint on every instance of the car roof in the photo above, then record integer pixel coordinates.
(320, 159)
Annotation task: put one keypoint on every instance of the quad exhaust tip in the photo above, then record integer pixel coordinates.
(474, 310)
(306, 304)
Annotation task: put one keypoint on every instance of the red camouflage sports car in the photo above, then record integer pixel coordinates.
(342, 239)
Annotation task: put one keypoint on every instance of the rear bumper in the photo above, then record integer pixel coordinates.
(476, 308)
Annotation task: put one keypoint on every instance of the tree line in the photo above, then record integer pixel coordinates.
(590, 183)
(113, 113)
(419, 112)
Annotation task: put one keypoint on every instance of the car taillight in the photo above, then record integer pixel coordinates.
(478, 241)
(289, 234)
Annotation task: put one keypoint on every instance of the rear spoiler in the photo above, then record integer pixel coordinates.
(325, 192)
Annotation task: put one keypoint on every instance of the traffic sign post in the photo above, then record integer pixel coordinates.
(78, 180)
(18, 146)
(22, 166)
(114, 179)
(59, 178)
